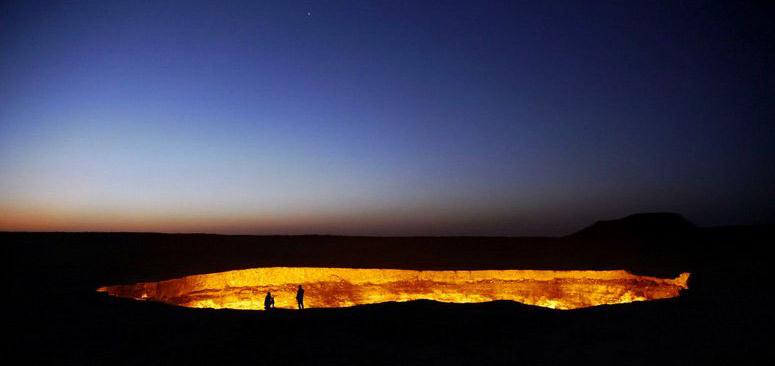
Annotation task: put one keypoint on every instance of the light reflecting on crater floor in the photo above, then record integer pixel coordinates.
(343, 287)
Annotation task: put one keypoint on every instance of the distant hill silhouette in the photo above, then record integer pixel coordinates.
(653, 225)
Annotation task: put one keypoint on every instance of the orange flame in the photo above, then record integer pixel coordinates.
(343, 287)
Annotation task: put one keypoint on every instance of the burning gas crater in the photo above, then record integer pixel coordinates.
(343, 287)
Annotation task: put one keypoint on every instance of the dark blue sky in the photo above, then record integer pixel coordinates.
(397, 118)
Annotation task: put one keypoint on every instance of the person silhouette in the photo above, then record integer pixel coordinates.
(268, 301)
(300, 297)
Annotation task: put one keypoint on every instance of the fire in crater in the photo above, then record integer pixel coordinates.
(343, 287)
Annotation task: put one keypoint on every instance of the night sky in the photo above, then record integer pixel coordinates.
(383, 118)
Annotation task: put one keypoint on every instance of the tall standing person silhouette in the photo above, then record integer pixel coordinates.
(300, 297)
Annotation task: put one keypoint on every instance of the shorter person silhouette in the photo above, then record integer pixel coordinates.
(268, 301)
(300, 297)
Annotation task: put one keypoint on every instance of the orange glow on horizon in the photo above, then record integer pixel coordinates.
(54, 216)
(344, 287)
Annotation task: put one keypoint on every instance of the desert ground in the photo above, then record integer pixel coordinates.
(55, 315)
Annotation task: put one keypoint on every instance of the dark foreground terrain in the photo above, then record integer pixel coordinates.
(54, 316)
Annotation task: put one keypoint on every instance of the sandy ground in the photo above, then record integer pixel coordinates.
(56, 317)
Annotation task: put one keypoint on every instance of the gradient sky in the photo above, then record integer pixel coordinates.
(383, 118)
